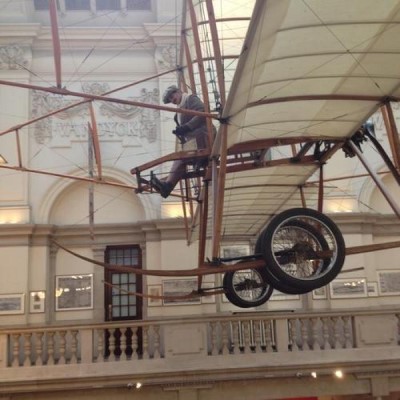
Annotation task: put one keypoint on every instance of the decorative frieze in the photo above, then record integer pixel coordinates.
(14, 57)
(115, 122)
(166, 57)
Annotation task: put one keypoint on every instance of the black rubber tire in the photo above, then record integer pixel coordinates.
(257, 284)
(291, 272)
(281, 286)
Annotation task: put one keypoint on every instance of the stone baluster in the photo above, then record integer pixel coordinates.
(269, 345)
(122, 344)
(134, 343)
(74, 346)
(100, 345)
(61, 335)
(304, 334)
(225, 337)
(257, 337)
(246, 336)
(348, 342)
(146, 354)
(325, 333)
(50, 348)
(293, 335)
(156, 342)
(27, 349)
(214, 339)
(315, 334)
(235, 337)
(15, 337)
(336, 333)
(111, 345)
(39, 348)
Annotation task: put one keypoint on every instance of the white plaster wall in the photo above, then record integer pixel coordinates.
(111, 205)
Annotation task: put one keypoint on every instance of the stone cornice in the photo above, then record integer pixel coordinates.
(362, 223)
(82, 38)
(164, 229)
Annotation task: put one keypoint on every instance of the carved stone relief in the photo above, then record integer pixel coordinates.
(166, 57)
(114, 121)
(14, 57)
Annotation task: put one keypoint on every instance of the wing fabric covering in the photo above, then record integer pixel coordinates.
(307, 69)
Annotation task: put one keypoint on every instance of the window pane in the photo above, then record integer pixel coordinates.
(124, 311)
(132, 288)
(41, 4)
(115, 278)
(115, 301)
(115, 312)
(124, 300)
(132, 311)
(77, 4)
(138, 4)
(124, 278)
(108, 4)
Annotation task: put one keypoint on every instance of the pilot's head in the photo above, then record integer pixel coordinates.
(172, 95)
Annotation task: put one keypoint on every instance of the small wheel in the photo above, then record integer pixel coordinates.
(247, 288)
(303, 257)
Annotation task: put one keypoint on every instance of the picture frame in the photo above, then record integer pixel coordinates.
(320, 293)
(389, 282)
(180, 287)
(372, 289)
(154, 290)
(345, 288)
(37, 301)
(74, 292)
(12, 303)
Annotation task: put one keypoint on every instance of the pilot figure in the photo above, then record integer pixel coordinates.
(190, 130)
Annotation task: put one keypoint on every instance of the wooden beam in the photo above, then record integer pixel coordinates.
(89, 96)
(217, 52)
(218, 202)
(56, 41)
(78, 103)
(392, 202)
(95, 141)
(392, 133)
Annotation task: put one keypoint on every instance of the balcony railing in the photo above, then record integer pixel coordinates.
(211, 337)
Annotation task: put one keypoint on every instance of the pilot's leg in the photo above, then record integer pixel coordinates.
(166, 186)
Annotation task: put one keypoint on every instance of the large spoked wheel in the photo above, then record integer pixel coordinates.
(247, 288)
(292, 287)
(303, 248)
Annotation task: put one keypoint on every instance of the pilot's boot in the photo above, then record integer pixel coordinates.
(163, 187)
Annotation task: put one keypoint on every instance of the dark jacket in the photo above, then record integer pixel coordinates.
(196, 124)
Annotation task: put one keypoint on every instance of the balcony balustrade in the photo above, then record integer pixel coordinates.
(160, 350)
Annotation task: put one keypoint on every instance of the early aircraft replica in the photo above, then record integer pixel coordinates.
(308, 77)
(287, 84)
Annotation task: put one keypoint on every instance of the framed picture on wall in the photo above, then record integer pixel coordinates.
(36, 301)
(74, 292)
(389, 282)
(180, 288)
(320, 293)
(12, 304)
(154, 290)
(372, 289)
(348, 288)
